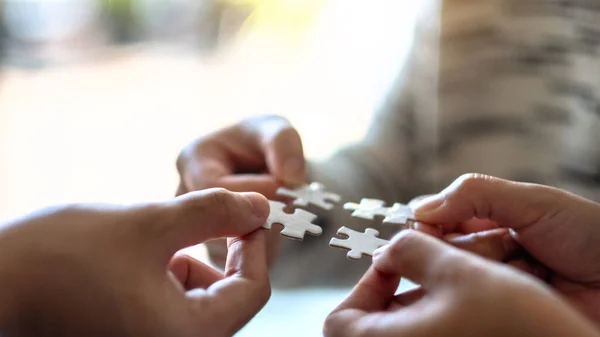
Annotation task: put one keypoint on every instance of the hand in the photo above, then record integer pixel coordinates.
(461, 294)
(559, 232)
(100, 270)
(255, 155)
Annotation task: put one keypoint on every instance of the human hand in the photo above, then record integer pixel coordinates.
(461, 294)
(103, 270)
(255, 155)
(558, 232)
(258, 155)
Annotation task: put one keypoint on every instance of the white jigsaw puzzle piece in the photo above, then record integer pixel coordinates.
(367, 209)
(294, 225)
(358, 243)
(398, 214)
(311, 194)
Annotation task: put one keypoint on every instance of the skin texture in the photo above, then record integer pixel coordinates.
(105, 270)
(259, 154)
(549, 233)
(455, 297)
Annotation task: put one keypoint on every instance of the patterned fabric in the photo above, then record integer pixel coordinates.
(509, 88)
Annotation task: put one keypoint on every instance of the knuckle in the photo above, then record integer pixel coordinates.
(150, 219)
(329, 327)
(214, 202)
(470, 181)
(264, 293)
(336, 326)
(221, 203)
(404, 241)
(472, 188)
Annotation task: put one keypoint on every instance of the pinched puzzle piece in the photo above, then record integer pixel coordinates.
(314, 194)
(358, 243)
(294, 225)
(369, 208)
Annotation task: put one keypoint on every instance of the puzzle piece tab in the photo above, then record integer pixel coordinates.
(358, 243)
(398, 214)
(294, 225)
(310, 194)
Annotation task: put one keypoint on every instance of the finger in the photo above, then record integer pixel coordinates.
(347, 320)
(420, 258)
(432, 230)
(530, 267)
(193, 274)
(418, 199)
(496, 244)
(373, 292)
(505, 202)
(521, 265)
(476, 225)
(227, 152)
(245, 290)
(198, 216)
(264, 184)
(282, 146)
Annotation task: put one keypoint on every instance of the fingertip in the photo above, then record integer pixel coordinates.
(258, 203)
(426, 208)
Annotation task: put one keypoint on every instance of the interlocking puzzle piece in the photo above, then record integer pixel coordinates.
(294, 225)
(314, 194)
(358, 243)
(368, 208)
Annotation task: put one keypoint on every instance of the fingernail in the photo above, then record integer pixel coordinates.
(427, 205)
(293, 171)
(259, 204)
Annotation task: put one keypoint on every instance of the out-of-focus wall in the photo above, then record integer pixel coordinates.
(87, 114)
(97, 101)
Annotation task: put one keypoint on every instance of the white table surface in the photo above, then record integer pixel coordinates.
(298, 313)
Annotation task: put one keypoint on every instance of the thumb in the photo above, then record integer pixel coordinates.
(510, 204)
(212, 213)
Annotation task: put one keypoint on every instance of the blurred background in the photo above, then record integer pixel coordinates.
(97, 97)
